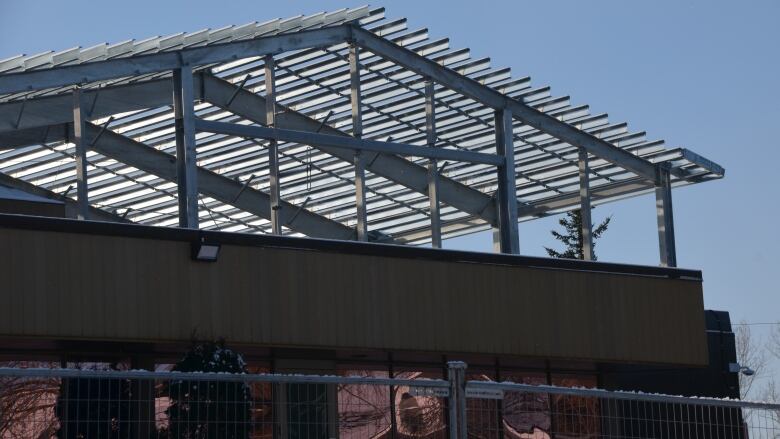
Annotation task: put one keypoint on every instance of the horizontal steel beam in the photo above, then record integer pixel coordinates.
(35, 136)
(56, 110)
(492, 98)
(703, 162)
(217, 186)
(103, 102)
(163, 61)
(613, 191)
(251, 106)
(71, 206)
(621, 189)
(350, 143)
(163, 165)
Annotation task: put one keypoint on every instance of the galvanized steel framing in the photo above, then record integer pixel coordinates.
(373, 132)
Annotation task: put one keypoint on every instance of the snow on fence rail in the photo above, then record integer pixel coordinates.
(70, 403)
(539, 411)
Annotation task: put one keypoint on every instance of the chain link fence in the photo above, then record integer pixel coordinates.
(508, 410)
(68, 403)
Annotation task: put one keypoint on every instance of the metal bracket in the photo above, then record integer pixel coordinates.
(489, 202)
(21, 111)
(46, 133)
(94, 102)
(660, 169)
(243, 188)
(373, 159)
(298, 211)
(377, 154)
(237, 90)
(324, 121)
(103, 129)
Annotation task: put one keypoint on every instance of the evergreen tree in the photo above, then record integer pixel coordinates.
(209, 409)
(572, 236)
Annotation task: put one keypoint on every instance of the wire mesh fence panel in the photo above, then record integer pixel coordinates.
(67, 403)
(496, 410)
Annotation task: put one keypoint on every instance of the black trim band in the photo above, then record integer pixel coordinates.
(325, 245)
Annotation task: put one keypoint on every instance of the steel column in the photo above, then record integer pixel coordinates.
(663, 207)
(507, 191)
(357, 132)
(433, 167)
(79, 133)
(456, 375)
(273, 147)
(587, 224)
(186, 155)
(496, 234)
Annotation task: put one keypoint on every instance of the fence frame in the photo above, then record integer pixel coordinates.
(455, 389)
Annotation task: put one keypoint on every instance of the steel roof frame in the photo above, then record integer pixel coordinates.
(130, 82)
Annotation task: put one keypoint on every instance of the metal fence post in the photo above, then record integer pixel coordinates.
(456, 375)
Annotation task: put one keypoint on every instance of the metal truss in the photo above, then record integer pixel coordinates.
(344, 125)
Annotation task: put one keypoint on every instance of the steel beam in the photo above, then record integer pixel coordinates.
(348, 143)
(71, 206)
(80, 141)
(587, 225)
(186, 173)
(357, 133)
(49, 110)
(396, 169)
(663, 207)
(507, 191)
(433, 166)
(163, 165)
(492, 98)
(273, 147)
(611, 191)
(360, 197)
(164, 61)
(219, 187)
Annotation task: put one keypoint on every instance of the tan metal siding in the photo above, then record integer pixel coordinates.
(65, 285)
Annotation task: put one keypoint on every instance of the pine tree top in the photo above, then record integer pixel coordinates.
(572, 236)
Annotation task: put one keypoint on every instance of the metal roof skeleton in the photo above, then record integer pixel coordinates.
(366, 129)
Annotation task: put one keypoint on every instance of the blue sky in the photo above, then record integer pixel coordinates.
(700, 74)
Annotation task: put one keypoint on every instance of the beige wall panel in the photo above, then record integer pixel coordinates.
(69, 285)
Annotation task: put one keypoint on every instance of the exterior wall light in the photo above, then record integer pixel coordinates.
(205, 251)
(744, 370)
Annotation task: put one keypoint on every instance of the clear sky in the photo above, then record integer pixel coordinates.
(700, 74)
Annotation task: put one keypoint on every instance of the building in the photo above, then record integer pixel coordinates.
(272, 184)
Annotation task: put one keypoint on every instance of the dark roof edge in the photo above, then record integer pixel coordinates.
(362, 248)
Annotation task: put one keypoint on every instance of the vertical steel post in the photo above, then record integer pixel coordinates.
(456, 374)
(496, 239)
(273, 147)
(433, 170)
(357, 131)
(507, 191)
(79, 132)
(393, 390)
(585, 208)
(186, 155)
(663, 207)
